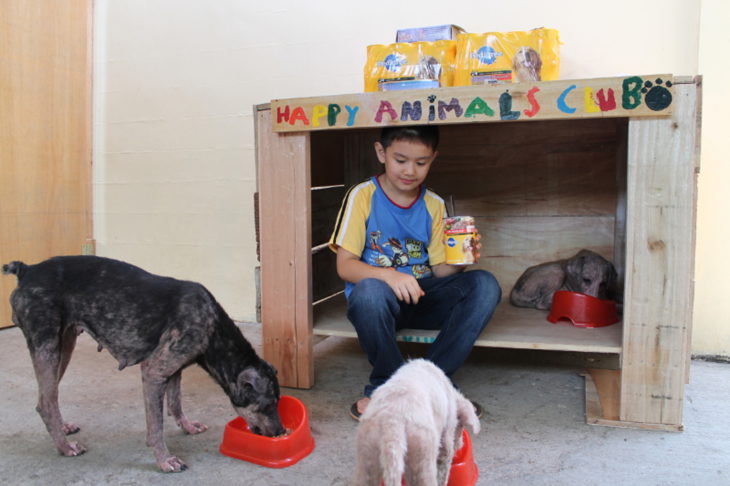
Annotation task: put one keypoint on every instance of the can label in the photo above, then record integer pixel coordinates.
(459, 238)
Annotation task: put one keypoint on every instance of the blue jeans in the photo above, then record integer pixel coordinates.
(459, 306)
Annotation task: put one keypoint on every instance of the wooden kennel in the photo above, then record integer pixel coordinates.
(547, 168)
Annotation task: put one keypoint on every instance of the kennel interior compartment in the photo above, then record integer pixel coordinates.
(541, 190)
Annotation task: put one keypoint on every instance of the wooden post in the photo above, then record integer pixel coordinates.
(662, 178)
(285, 232)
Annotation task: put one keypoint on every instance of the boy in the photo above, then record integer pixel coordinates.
(390, 252)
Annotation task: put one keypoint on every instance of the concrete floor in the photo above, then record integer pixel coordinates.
(534, 430)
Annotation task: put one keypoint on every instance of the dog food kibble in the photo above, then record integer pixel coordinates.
(286, 432)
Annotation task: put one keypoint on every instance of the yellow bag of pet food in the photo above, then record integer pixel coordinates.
(410, 65)
(507, 57)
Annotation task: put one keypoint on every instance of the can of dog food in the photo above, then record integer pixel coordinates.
(459, 237)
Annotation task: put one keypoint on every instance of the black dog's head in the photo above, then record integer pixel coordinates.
(256, 398)
(589, 273)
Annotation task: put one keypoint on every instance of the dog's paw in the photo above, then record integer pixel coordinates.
(192, 427)
(72, 449)
(172, 464)
(70, 428)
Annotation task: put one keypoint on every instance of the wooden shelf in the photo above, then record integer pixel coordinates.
(510, 327)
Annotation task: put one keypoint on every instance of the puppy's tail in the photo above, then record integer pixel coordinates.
(392, 452)
(16, 268)
(466, 415)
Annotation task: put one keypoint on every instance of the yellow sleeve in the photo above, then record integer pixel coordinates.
(437, 210)
(349, 231)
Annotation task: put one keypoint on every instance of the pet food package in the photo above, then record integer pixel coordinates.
(432, 33)
(410, 65)
(460, 240)
(507, 57)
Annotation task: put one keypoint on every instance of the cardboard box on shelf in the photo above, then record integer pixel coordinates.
(432, 33)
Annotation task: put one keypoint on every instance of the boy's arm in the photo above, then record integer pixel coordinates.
(351, 269)
(444, 269)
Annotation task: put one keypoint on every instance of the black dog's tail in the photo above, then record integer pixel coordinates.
(16, 268)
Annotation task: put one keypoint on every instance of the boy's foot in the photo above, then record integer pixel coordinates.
(358, 408)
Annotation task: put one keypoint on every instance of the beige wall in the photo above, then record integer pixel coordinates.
(175, 81)
(711, 334)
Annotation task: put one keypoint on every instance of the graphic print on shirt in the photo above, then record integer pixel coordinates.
(420, 271)
(400, 258)
(374, 237)
(414, 248)
(383, 260)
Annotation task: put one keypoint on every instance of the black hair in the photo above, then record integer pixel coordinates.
(426, 134)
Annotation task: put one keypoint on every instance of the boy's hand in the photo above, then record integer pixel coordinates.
(477, 245)
(404, 286)
(444, 269)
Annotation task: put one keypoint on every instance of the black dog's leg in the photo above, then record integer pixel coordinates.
(174, 407)
(68, 343)
(154, 384)
(47, 365)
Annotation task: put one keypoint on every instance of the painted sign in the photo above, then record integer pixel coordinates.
(631, 96)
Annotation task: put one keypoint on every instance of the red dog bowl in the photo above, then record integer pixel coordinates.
(582, 310)
(283, 451)
(464, 471)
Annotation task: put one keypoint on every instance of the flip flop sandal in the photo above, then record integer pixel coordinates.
(354, 412)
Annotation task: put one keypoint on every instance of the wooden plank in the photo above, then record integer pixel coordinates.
(325, 281)
(696, 86)
(548, 100)
(541, 168)
(286, 288)
(328, 162)
(326, 202)
(45, 133)
(619, 240)
(604, 393)
(303, 259)
(608, 387)
(659, 262)
(594, 414)
(362, 162)
(511, 327)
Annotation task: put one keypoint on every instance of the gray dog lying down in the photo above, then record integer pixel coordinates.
(413, 425)
(162, 323)
(586, 272)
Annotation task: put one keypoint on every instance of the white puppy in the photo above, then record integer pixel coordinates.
(412, 425)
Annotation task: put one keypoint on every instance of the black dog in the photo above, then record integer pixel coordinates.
(162, 323)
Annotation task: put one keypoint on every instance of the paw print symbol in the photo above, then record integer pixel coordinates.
(431, 98)
(656, 95)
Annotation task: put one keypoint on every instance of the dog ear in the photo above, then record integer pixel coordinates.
(575, 264)
(613, 286)
(249, 379)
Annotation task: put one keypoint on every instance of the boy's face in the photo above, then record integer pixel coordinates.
(406, 165)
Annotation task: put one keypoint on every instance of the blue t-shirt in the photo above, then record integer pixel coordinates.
(384, 234)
